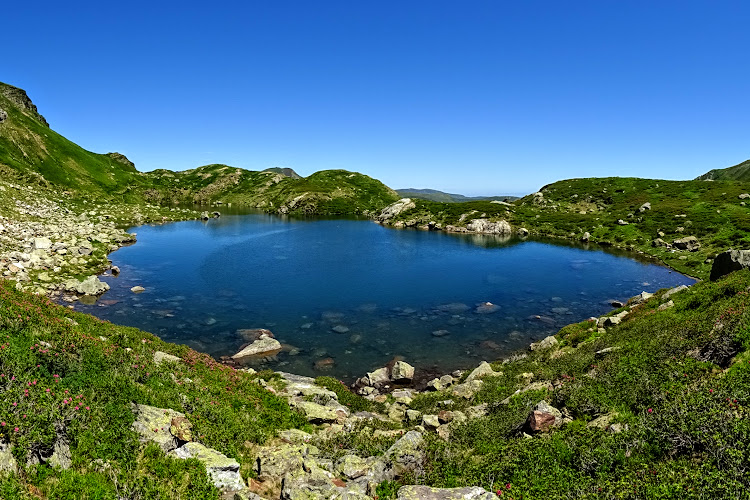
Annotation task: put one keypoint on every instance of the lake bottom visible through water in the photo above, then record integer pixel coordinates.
(347, 296)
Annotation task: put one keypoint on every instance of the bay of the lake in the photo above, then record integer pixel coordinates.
(359, 293)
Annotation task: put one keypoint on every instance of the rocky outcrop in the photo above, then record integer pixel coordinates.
(729, 261)
(3, 115)
(395, 209)
(485, 226)
(122, 160)
(21, 99)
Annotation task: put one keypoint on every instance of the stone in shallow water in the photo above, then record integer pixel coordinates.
(265, 346)
(487, 308)
(340, 329)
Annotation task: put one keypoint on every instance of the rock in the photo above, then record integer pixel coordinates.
(324, 364)
(295, 436)
(483, 370)
(486, 227)
(467, 389)
(395, 209)
(340, 329)
(7, 460)
(644, 207)
(115, 270)
(440, 333)
(546, 343)
(61, 456)
(543, 418)
(42, 243)
(603, 422)
(253, 334)
(90, 286)
(523, 232)
(352, 466)
(3, 115)
(137, 289)
(729, 261)
(622, 222)
(406, 454)
(665, 306)
(246, 494)
(317, 414)
(487, 308)
(586, 236)
(640, 298)
(658, 242)
(205, 216)
(453, 308)
(689, 243)
(378, 377)
(162, 357)
(402, 372)
(673, 291)
(613, 320)
(435, 385)
(744, 196)
(428, 493)
(413, 415)
(181, 428)
(223, 471)
(430, 421)
(154, 424)
(603, 352)
(273, 463)
(264, 346)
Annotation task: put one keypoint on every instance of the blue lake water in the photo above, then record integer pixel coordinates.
(403, 293)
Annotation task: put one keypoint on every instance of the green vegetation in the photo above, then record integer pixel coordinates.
(69, 374)
(677, 382)
(35, 154)
(710, 211)
(740, 172)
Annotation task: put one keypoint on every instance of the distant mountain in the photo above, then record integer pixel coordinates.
(739, 172)
(289, 172)
(440, 196)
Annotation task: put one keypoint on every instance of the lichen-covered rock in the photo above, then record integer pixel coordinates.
(546, 343)
(295, 436)
(223, 471)
(467, 389)
(181, 428)
(395, 209)
(378, 377)
(318, 414)
(90, 286)
(162, 357)
(273, 463)
(352, 466)
(153, 424)
(428, 493)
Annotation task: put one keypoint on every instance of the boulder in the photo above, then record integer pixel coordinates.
(137, 289)
(154, 424)
(223, 471)
(622, 222)
(402, 372)
(640, 298)
(744, 196)
(378, 377)
(487, 308)
(318, 414)
(689, 243)
(546, 343)
(666, 305)
(273, 463)
(264, 346)
(644, 207)
(90, 286)
(181, 428)
(483, 370)
(42, 243)
(729, 261)
(673, 291)
(543, 418)
(586, 236)
(428, 493)
(352, 466)
(658, 242)
(3, 115)
(7, 460)
(523, 232)
(162, 357)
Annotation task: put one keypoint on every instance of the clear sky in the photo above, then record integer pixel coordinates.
(474, 97)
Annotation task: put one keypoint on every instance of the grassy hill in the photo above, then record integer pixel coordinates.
(740, 172)
(440, 196)
(609, 209)
(34, 153)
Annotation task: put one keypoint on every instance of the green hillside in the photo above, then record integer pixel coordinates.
(609, 210)
(739, 172)
(30, 150)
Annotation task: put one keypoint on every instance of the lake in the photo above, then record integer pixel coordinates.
(415, 294)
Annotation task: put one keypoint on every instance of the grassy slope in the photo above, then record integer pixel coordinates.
(679, 379)
(739, 172)
(712, 209)
(45, 347)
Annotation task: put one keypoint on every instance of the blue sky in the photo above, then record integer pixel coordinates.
(474, 97)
